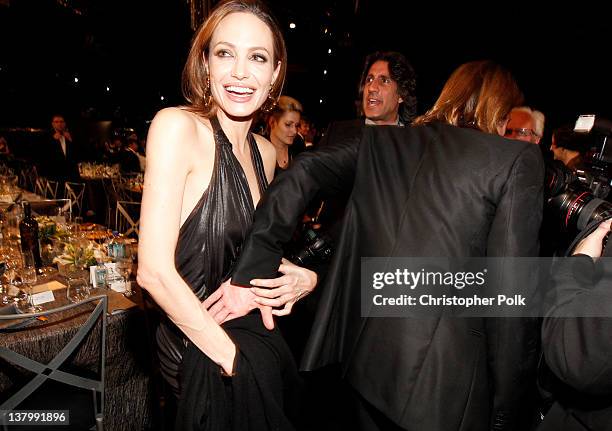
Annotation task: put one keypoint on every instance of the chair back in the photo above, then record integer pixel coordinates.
(28, 178)
(51, 371)
(52, 190)
(119, 186)
(127, 218)
(75, 192)
(40, 186)
(112, 196)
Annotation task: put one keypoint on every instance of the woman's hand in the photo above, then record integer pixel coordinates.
(592, 245)
(295, 283)
(230, 302)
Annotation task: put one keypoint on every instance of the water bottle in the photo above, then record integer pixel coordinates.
(115, 247)
(100, 275)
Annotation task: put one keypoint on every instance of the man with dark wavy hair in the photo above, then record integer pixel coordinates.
(387, 89)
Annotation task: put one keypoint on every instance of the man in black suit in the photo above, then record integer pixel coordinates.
(387, 90)
(436, 190)
(428, 374)
(58, 159)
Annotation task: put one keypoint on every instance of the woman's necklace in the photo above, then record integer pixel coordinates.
(282, 157)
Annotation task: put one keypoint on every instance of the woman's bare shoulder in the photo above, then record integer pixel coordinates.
(179, 125)
(179, 116)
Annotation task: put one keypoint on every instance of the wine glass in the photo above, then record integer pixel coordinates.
(124, 268)
(5, 298)
(28, 279)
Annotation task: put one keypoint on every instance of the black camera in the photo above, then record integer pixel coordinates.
(577, 197)
(317, 248)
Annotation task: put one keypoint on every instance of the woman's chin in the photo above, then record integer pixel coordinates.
(239, 114)
(240, 110)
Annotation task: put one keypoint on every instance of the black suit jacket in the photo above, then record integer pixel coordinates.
(578, 350)
(434, 190)
(54, 164)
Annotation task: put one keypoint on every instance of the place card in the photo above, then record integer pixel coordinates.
(43, 297)
(51, 285)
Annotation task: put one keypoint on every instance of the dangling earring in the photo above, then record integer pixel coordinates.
(207, 90)
(270, 102)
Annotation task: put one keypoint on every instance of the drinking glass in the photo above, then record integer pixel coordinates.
(78, 289)
(5, 297)
(124, 268)
(28, 279)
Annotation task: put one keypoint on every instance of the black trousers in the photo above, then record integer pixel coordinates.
(338, 406)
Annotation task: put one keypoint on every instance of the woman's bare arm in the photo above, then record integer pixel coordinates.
(172, 139)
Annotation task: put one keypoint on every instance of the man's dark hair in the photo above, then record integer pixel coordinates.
(565, 137)
(402, 73)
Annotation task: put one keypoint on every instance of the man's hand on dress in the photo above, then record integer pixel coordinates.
(230, 302)
(295, 283)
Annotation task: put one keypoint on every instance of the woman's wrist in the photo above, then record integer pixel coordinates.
(228, 363)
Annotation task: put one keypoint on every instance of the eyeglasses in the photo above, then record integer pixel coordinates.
(521, 132)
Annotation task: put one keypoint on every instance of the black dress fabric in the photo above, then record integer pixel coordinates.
(261, 396)
(208, 245)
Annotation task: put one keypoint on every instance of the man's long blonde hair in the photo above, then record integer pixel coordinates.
(479, 94)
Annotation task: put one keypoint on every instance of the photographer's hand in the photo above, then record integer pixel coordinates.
(592, 244)
(295, 283)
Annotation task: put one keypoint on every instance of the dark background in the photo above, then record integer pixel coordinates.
(136, 48)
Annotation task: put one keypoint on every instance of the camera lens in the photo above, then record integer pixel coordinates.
(557, 177)
(578, 208)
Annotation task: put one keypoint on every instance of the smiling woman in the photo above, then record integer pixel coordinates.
(241, 74)
(196, 80)
(205, 174)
